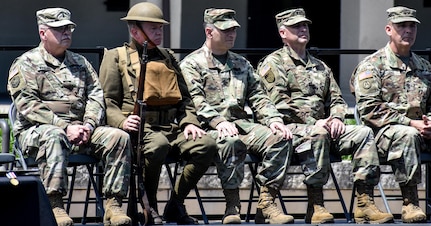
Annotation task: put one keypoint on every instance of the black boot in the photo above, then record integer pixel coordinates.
(176, 212)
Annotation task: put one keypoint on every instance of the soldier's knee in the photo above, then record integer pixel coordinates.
(158, 140)
(410, 131)
(55, 132)
(209, 144)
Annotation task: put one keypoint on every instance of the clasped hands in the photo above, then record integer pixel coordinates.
(334, 126)
(226, 128)
(423, 126)
(78, 134)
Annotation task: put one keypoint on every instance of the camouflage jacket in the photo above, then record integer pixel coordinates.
(221, 92)
(120, 101)
(303, 92)
(388, 91)
(47, 91)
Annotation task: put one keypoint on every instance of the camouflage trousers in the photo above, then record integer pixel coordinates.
(400, 146)
(311, 152)
(50, 147)
(160, 141)
(359, 142)
(258, 139)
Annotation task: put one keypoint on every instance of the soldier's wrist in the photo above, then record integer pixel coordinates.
(90, 127)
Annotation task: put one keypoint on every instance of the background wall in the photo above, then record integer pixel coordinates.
(345, 24)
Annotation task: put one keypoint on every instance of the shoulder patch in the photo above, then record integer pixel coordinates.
(16, 82)
(365, 74)
(267, 74)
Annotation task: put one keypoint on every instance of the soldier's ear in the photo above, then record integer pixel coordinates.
(208, 32)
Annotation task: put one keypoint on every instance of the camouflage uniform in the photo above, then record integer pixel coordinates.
(163, 124)
(389, 94)
(49, 96)
(220, 93)
(305, 92)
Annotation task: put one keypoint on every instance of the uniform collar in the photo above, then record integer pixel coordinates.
(49, 58)
(211, 61)
(298, 60)
(395, 62)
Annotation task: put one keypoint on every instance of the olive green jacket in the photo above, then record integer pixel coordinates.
(120, 101)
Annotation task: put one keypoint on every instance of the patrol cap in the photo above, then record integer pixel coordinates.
(291, 17)
(221, 18)
(145, 11)
(54, 17)
(400, 14)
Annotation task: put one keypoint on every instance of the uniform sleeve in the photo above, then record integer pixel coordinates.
(206, 113)
(95, 107)
(260, 103)
(187, 111)
(335, 101)
(274, 82)
(366, 86)
(110, 79)
(24, 90)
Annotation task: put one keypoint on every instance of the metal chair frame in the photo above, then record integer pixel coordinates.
(253, 162)
(75, 160)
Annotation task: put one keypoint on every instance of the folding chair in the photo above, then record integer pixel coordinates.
(254, 161)
(7, 159)
(75, 160)
(172, 174)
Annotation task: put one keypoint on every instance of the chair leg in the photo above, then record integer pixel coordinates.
(91, 183)
(249, 203)
(71, 187)
(352, 201)
(87, 197)
(98, 197)
(385, 201)
(201, 206)
(340, 196)
(427, 189)
(254, 186)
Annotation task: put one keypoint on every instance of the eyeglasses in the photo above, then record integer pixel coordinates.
(64, 28)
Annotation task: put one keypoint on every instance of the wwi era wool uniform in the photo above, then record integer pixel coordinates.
(49, 96)
(220, 93)
(389, 94)
(306, 91)
(163, 123)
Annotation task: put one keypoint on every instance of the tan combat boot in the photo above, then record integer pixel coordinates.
(233, 207)
(316, 212)
(366, 210)
(267, 211)
(60, 213)
(114, 215)
(411, 212)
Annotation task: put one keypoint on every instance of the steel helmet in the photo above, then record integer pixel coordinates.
(145, 11)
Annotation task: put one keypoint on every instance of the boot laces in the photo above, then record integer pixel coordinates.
(59, 212)
(372, 205)
(321, 209)
(413, 208)
(116, 210)
(272, 210)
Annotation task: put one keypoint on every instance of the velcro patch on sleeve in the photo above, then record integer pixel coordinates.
(16, 82)
(365, 74)
(267, 74)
